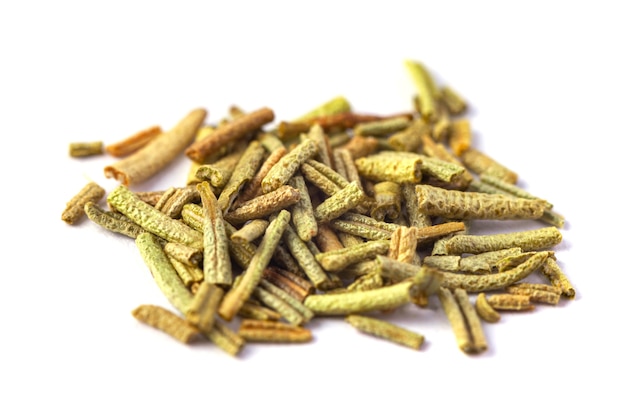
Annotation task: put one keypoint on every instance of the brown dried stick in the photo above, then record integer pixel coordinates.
(133, 143)
(227, 133)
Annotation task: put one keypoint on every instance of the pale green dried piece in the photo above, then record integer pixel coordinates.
(367, 231)
(537, 295)
(253, 189)
(333, 106)
(510, 302)
(444, 171)
(287, 166)
(386, 330)
(234, 299)
(348, 239)
(302, 214)
(387, 166)
(482, 263)
(369, 281)
(385, 298)
(319, 180)
(151, 219)
(464, 205)
(426, 89)
(509, 262)
(328, 172)
(343, 158)
(339, 259)
(359, 269)
(283, 258)
(528, 240)
(510, 189)
(445, 262)
(415, 217)
(218, 173)
(358, 229)
(163, 272)
(409, 139)
(455, 104)
(382, 127)
(217, 265)
(481, 164)
(240, 251)
(202, 310)
(490, 258)
(305, 259)
(367, 220)
(335, 140)
(289, 313)
(388, 201)
(442, 153)
(553, 218)
(270, 141)
(294, 303)
(183, 253)
(484, 309)
(339, 203)
(166, 321)
(224, 338)
(486, 282)
(551, 270)
(250, 231)
(252, 310)
(188, 274)
(112, 221)
(479, 342)
(393, 270)
(193, 217)
(245, 170)
(316, 134)
(334, 281)
(457, 320)
(82, 149)
(175, 198)
(549, 216)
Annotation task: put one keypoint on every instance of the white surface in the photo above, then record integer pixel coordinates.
(546, 84)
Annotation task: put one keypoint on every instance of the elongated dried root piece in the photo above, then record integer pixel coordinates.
(485, 310)
(75, 208)
(516, 302)
(456, 204)
(229, 133)
(168, 322)
(158, 153)
(385, 330)
(134, 142)
(273, 332)
(487, 282)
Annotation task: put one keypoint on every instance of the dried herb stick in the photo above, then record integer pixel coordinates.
(331, 213)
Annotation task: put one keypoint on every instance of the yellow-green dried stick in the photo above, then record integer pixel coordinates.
(386, 330)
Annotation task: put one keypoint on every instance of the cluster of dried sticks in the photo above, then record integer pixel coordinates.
(334, 213)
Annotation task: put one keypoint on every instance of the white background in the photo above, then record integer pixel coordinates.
(545, 81)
